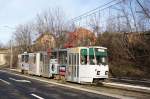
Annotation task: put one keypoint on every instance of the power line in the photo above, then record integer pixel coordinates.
(91, 12)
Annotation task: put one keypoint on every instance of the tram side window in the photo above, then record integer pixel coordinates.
(46, 59)
(74, 64)
(34, 58)
(77, 64)
(69, 59)
(41, 57)
(77, 59)
(83, 57)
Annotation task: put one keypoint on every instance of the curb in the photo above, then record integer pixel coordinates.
(74, 87)
(128, 87)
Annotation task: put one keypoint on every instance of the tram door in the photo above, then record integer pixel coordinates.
(73, 67)
(45, 66)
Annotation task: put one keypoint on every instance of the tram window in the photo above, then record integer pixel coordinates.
(41, 57)
(92, 60)
(34, 58)
(101, 56)
(101, 60)
(22, 58)
(52, 57)
(77, 59)
(104, 60)
(77, 65)
(46, 59)
(83, 60)
(83, 56)
(74, 59)
(65, 60)
(26, 58)
(69, 59)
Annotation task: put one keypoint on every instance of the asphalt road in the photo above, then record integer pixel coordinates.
(16, 87)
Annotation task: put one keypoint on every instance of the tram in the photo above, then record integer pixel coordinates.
(38, 64)
(34, 63)
(58, 63)
(87, 64)
(78, 64)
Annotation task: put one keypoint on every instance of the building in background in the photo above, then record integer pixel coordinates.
(80, 37)
(44, 42)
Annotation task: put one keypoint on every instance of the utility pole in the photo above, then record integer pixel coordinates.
(11, 54)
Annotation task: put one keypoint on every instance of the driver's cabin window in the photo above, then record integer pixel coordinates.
(22, 58)
(26, 57)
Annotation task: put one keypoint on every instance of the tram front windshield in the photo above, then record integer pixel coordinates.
(25, 58)
(94, 56)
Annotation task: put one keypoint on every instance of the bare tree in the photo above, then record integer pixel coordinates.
(52, 22)
(23, 37)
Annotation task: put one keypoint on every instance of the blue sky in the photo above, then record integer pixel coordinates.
(15, 12)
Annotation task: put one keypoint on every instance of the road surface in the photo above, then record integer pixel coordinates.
(16, 87)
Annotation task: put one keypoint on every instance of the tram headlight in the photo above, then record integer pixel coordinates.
(106, 72)
(98, 72)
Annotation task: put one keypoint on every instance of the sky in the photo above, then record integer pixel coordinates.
(15, 12)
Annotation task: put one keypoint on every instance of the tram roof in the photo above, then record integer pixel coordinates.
(60, 50)
(26, 53)
(91, 47)
(56, 49)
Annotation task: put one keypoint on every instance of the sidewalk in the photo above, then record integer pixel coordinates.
(128, 87)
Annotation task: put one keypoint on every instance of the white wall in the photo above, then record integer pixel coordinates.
(2, 59)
